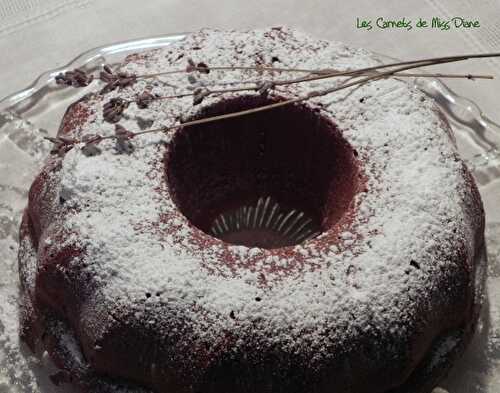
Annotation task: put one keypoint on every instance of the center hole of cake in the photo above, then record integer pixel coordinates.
(270, 179)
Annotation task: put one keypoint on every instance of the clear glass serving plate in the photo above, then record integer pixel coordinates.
(29, 115)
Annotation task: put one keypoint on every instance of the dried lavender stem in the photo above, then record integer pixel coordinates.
(401, 66)
(228, 68)
(439, 75)
(360, 72)
(329, 71)
(397, 74)
(414, 64)
(310, 71)
(324, 74)
(286, 102)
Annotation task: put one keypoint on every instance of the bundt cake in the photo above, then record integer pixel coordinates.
(334, 245)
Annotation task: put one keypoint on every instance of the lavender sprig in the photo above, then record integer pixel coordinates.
(123, 140)
(113, 109)
(74, 78)
(113, 81)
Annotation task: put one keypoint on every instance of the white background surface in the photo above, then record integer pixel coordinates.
(36, 35)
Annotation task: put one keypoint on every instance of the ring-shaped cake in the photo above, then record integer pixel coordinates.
(335, 245)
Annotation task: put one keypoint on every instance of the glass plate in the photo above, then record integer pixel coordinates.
(29, 115)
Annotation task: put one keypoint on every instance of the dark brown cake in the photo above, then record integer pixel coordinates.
(331, 246)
